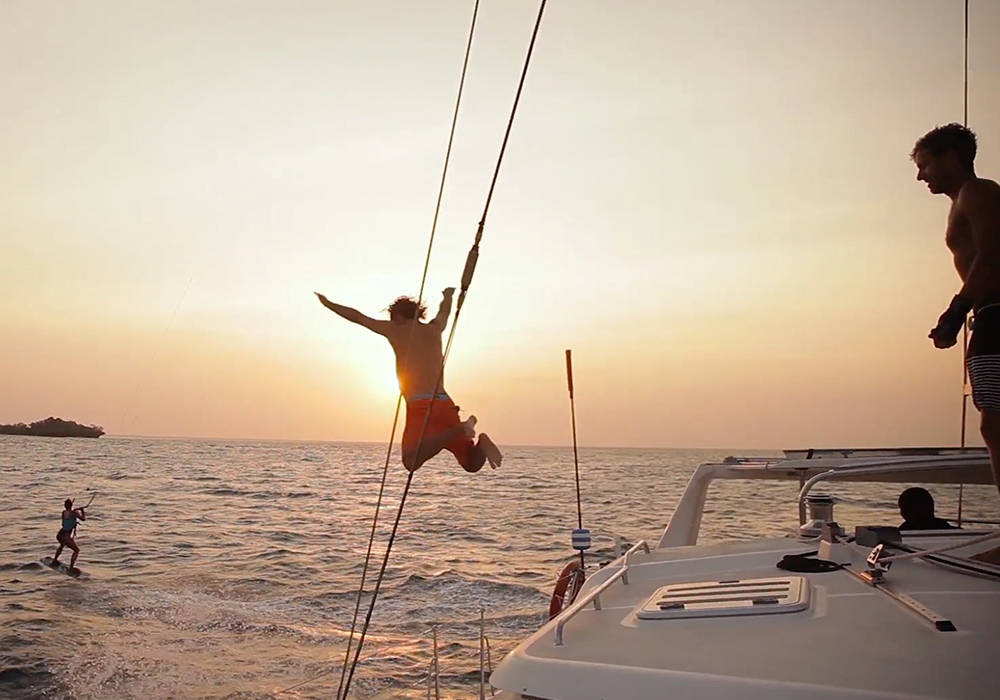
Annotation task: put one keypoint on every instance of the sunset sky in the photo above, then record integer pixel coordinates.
(711, 203)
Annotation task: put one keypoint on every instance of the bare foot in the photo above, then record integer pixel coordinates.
(470, 427)
(491, 450)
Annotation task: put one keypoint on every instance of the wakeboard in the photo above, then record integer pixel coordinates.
(62, 568)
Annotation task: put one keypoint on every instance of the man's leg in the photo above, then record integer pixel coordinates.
(59, 549)
(990, 428)
(76, 553)
(472, 458)
(430, 446)
(470, 455)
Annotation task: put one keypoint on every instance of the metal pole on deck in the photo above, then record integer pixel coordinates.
(482, 653)
(576, 457)
(489, 663)
(437, 669)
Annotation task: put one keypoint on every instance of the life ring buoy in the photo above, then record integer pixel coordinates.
(567, 586)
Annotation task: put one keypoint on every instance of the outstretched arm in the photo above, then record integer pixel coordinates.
(355, 316)
(441, 320)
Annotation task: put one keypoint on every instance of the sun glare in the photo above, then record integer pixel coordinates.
(379, 377)
(390, 384)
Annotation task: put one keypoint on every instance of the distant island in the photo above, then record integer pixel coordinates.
(53, 427)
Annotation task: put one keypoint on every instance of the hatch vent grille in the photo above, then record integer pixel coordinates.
(751, 596)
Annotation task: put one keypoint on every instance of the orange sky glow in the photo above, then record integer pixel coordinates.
(711, 203)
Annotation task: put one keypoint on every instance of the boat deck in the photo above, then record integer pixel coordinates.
(851, 641)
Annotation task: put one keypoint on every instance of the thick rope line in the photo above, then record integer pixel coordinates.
(451, 140)
(510, 123)
(392, 537)
(378, 654)
(940, 550)
(954, 563)
(965, 326)
(467, 275)
(470, 262)
(420, 296)
(371, 540)
(378, 585)
(965, 91)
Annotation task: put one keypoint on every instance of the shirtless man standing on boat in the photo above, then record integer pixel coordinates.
(944, 159)
(419, 366)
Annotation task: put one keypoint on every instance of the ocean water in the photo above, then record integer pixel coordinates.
(230, 569)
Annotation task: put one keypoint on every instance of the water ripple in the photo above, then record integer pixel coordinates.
(228, 570)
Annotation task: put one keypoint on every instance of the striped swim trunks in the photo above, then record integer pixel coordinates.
(983, 359)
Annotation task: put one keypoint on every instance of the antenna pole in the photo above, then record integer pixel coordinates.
(576, 457)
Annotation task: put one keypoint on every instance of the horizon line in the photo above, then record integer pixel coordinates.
(533, 445)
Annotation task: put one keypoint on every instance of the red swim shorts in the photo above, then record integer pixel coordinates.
(443, 417)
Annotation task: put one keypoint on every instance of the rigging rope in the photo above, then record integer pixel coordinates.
(940, 550)
(467, 274)
(399, 400)
(470, 262)
(965, 97)
(92, 497)
(961, 564)
(381, 652)
(966, 389)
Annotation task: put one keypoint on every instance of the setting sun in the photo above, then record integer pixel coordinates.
(699, 238)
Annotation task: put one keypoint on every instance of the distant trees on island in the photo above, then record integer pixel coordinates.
(53, 427)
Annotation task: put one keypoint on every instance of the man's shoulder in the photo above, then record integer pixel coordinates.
(979, 197)
(980, 188)
(408, 330)
(419, 327)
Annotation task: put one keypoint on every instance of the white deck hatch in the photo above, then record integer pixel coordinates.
(726, 598)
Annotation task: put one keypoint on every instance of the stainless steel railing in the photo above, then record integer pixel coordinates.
(594, 595)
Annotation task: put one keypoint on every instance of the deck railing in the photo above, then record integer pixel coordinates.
(594, 595)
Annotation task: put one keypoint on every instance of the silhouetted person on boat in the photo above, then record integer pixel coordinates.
(916, 505)
(65, 535)
(419, 366)
(944, 159)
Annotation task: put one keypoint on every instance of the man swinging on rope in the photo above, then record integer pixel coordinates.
(419, 366)
(944, 159)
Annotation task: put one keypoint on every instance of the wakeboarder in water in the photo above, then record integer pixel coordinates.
(419, 366)
(65, 535)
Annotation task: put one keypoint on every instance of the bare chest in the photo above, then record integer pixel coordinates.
(957, 235)
(958, 238)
